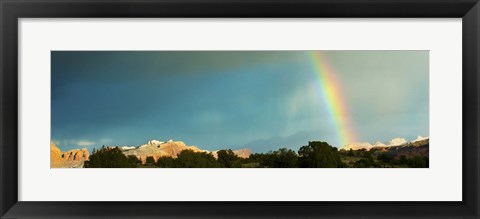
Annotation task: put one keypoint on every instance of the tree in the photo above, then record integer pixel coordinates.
(319, 154)
(350, 152)
(132, 159)
(166, 162)
(108, 158)
(149, 161)
(418, 162)
(368, 154)
(227, 158)
(192, 159)
(262, 159)
(365, 163)
(385, 158)
(285, 158)
(403, 160)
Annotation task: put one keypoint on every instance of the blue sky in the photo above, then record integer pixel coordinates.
(263, 100)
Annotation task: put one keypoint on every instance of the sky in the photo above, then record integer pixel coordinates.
(262, 100)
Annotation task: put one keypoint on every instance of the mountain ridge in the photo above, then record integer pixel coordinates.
(170, 148)
(69, 159)
(378, 144)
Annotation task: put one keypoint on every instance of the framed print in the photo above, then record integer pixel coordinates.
(230, 109)
(296, 94)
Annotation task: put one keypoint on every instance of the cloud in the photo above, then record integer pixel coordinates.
(137, 66)
(105, 140)
(84, 143)
(230, 98)
(72, 142)
(55, 141)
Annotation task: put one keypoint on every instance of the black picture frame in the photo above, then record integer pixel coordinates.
(12, 10)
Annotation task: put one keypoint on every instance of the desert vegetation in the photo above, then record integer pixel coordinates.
(316, 154)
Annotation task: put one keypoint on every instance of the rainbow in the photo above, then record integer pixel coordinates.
(331, 89)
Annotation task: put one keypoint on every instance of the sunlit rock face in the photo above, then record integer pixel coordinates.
(55, 156)
(358, 145)
(392, 143)
(76, 155)
(156, 149)
(379, 144)
(170, 148)
(243, 153)
(68, 159)
(420, 138)
(396, 142)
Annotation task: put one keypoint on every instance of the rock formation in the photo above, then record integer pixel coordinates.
(243, 153)
(357, 146)
(158, 149)
(409, 150)
(69, 159)
(55, 156)
(379, 144)
(396, 142)
(76, 155)
(420, 142)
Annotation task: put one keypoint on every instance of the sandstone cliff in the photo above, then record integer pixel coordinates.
(69, 159)
(243, 153)
(158, 149)
(55, 156)
(392, 143)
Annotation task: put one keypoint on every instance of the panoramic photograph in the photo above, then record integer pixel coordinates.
(240, 109)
